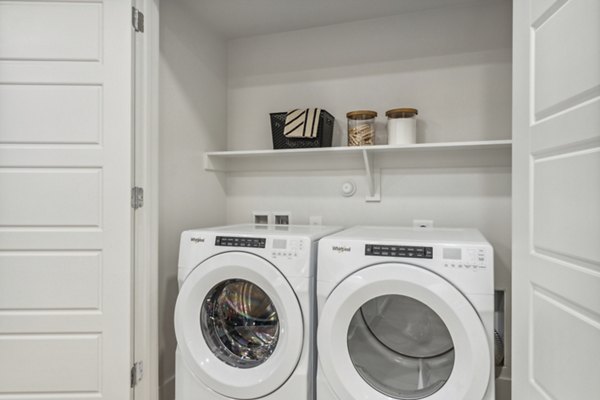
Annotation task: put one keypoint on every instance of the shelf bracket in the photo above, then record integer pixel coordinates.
(373, 178)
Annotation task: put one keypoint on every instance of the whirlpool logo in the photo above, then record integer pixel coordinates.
(341, 249)
(197, 240)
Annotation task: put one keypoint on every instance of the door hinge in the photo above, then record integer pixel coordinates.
(137, 373)
(137, 197)
(137, 20)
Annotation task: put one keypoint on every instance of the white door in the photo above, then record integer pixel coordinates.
(239, 325)
(556, 223)
(397, 331)
(65, 215)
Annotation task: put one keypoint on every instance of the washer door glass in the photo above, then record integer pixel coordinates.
(239, 323)
(400, 347)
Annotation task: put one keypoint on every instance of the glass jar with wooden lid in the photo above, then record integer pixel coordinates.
(402, 125)
(361, 127)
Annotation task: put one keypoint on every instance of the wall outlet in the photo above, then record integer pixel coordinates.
(315, 220)
(261, 217)
(423, 223)
(282, 218)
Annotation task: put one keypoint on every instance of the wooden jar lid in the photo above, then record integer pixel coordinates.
(361, 114)
(401, 113)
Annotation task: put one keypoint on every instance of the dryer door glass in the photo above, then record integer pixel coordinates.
(239, 323)
(400, 347)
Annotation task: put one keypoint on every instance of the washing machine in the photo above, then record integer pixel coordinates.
(405, 314)
(245, 315)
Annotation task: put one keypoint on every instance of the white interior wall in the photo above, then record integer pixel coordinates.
(453, 64)
(192, 119)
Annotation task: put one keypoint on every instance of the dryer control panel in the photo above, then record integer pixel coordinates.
(398, 251)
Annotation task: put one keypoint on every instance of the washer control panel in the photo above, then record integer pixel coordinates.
(233, 241)
(464, 258)
(286, 248)
(398, 251)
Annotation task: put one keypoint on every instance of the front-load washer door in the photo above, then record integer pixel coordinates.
(397, 331)
(239, 325)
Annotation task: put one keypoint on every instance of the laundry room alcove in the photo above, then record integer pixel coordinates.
(225, 66)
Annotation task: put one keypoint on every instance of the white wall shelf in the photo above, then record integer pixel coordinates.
(371, 159)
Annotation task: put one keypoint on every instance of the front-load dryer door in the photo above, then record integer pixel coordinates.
(397, 331)
(239, 325)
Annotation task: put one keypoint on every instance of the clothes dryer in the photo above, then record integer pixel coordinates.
(405, 314)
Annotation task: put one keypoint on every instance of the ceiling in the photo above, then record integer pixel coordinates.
(239, 18)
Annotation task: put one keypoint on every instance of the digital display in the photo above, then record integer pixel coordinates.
(451, 253)
(279, 243)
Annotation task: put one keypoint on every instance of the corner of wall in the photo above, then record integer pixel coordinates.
(193, 120)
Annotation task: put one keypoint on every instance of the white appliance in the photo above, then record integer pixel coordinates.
(245, 315)
(405, 314)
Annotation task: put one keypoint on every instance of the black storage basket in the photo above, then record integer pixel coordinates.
(323, 139)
